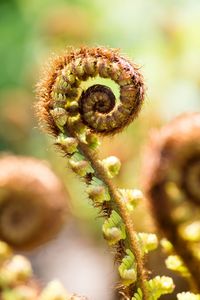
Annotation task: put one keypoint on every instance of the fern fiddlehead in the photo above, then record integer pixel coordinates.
(172, 185)
(75, 116)
(33, 204)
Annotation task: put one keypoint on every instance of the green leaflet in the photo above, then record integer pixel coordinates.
(114, 228)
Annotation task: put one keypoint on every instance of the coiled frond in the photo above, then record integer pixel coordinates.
(62, 92)
(76, 112)
(33, 202)
(171, 180)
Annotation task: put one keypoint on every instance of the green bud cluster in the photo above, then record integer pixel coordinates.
(17, 281)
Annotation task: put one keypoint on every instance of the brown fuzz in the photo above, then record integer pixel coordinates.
(33, 203)
(75, 115)
(98, 107)
(171, 181)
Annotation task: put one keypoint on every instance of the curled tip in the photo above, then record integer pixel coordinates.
(112, 165)
(128, 268)
(62, 95)
(171, 181)
(114, 229)
(33, 203)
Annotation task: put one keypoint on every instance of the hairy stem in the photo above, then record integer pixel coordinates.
(101, 174)
(74, 115)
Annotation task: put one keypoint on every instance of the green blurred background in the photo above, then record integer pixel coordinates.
(162, 36)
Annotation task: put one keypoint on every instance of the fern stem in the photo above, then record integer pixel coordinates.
(101, 174)
(72, 112)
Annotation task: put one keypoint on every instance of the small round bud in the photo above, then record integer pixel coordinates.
(72, 107)
(159, 286)
(167, 246)
(112, 235)
(54, 291)
(92, 140)
(68, 143)
(90, 66)
(112, 164)
(167, 283)
(18, 269)
(60, 116)
(78, 67)
(70, 77)
(190, 232)
(80, 167)
(149, 241)
(98, 193)
(77, 125)
(174, 263)
(131, 197)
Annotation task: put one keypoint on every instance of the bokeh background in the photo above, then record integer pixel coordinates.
(164, 38)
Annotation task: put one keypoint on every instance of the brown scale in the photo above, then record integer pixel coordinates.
(172, 158)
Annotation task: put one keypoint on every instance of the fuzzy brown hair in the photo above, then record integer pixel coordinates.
(75, 116)
(81, 65)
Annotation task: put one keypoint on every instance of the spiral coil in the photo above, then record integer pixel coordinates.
(30, 198)
(96, 106)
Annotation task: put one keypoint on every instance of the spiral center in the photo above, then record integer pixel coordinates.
(99, 98)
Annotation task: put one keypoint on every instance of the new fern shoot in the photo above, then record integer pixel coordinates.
(76, 116)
